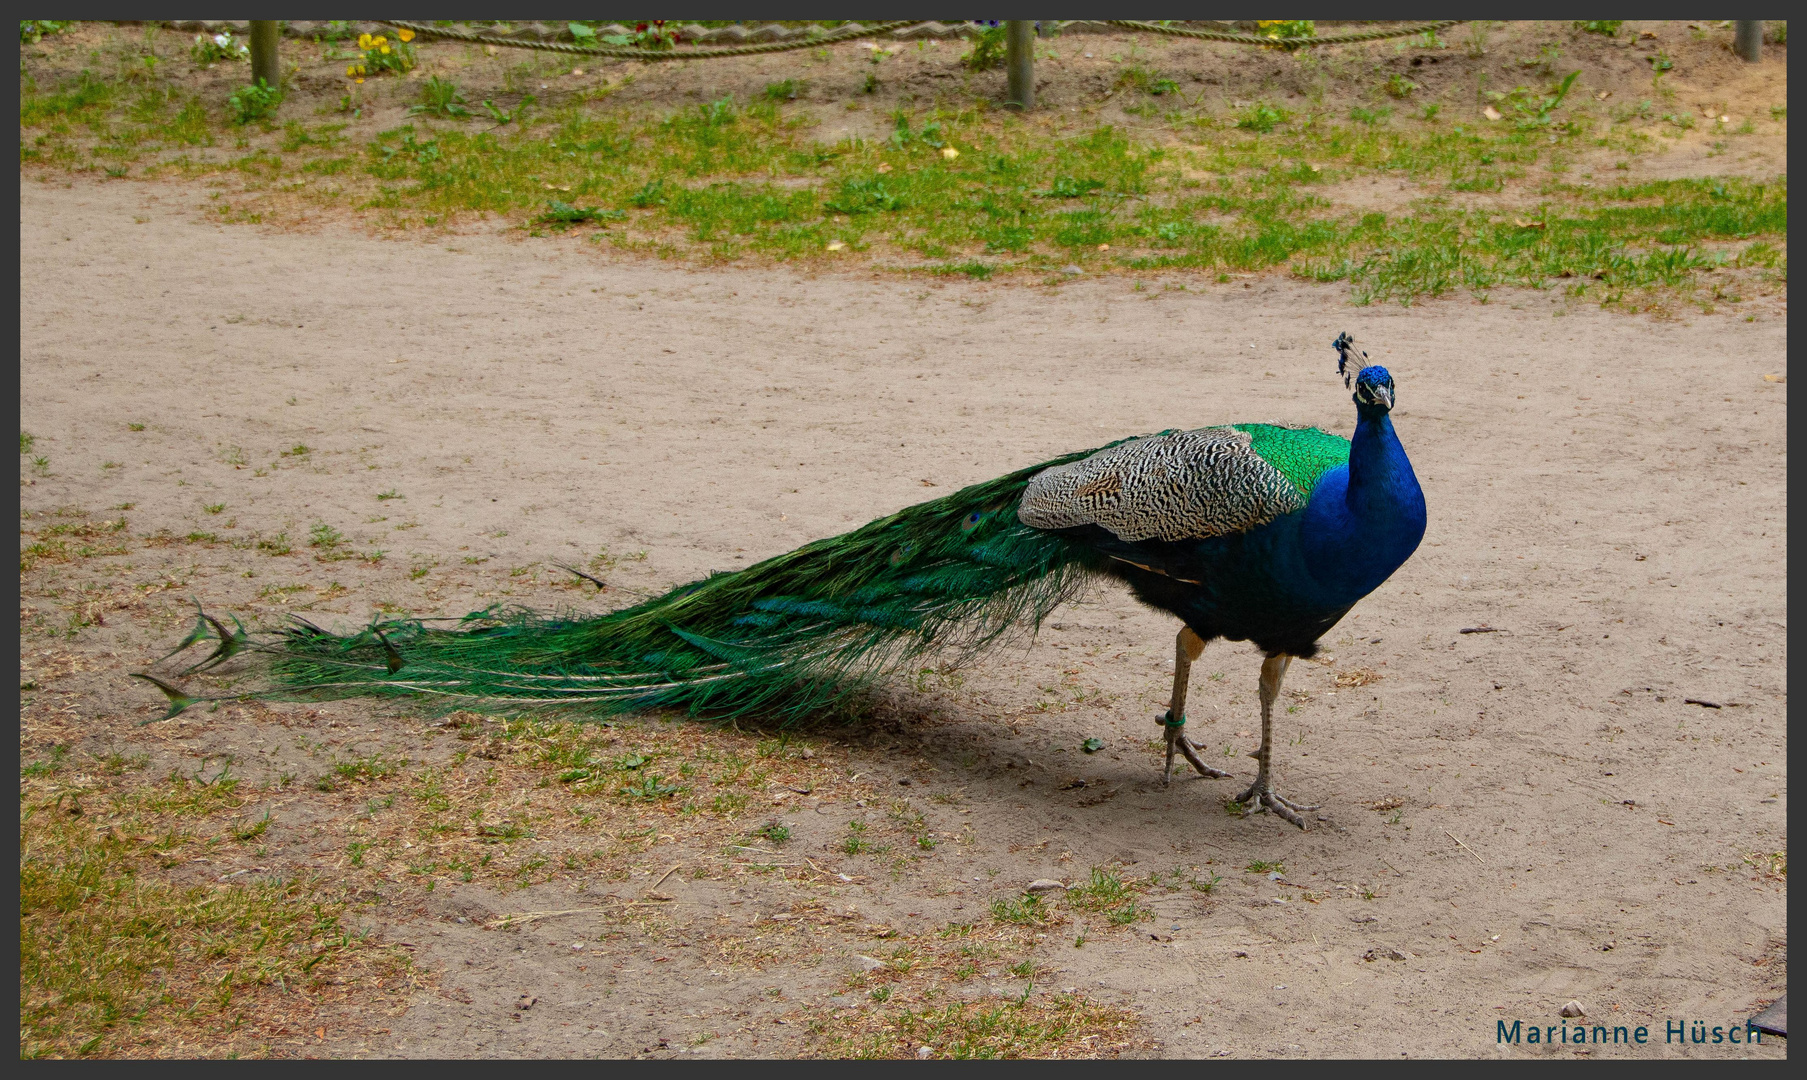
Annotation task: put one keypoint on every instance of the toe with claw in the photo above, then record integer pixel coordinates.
(1177, 742)
(1260, 798)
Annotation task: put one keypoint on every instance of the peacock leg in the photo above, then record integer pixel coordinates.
(1261, 795)
(1186, 648)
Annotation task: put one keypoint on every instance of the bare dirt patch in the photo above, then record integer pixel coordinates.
(1607, 495)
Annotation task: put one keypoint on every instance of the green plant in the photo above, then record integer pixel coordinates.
(651, 193)
(1398, 86)
(1661, 61)
(650, 786)
(646, 35)
(865, 197)
(26, 441)
(1068, 187)
(325, 536)
(381, 54)
(1477, 39)
(390, 494)
(49, 765)
(214, 508)
(208, 51)
(1262, 117)
(1531, 110)
(773, 832)
(248, 103)
(1137, 77)
(856, 841)
(1370, 116)
(1021, 911)
(563, 215)
(987, 49)
(440, 97)
(784, 89)
(1286, 28)
(1608, 27)
(31, 31)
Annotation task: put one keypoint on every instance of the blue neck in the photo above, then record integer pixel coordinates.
(1364, 521)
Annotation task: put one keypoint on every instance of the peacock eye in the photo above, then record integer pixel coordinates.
(971, 522)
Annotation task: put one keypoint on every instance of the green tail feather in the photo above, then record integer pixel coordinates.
(786, 636)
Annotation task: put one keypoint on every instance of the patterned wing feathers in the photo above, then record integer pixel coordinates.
(1173, 486)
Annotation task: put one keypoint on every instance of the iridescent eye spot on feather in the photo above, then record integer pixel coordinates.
(901, 555)
(971, 522)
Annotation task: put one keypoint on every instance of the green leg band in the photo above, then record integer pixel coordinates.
(1167, 719)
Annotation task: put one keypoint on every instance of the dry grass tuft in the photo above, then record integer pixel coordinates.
(125, 951)
(1067, 1025)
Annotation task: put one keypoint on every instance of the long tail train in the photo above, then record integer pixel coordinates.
(785, 636)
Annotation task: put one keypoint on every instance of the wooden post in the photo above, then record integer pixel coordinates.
(1749, 40)
(265, 65)
(1019, 59)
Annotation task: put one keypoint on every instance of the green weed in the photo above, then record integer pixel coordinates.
(249, 103)
(440, 97)
(1021, 911)
(773, 832)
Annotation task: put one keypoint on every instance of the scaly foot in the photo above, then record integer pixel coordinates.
(1261, 797)
(1176, 740)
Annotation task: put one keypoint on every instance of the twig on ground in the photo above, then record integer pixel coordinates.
(662, 877)
(520, 917)
(1465, 847)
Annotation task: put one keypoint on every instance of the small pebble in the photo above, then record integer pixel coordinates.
(1042, 885)
(1574, 1008)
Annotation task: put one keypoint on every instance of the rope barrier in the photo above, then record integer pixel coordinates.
(625, 53)
(1280, 42)
(855, 33)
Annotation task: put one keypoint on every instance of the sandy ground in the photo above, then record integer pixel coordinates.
(1606, 492)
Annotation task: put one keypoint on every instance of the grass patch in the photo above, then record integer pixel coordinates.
(1105, 892)
(729, 179)
(1054, 1026)
(117, 960)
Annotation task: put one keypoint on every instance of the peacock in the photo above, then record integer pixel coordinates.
(1250, 532)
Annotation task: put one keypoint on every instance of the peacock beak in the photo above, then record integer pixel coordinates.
(1375, 394)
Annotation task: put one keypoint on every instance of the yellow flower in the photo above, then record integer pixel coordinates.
(385, 50)
(360, 80)
(363, 41)
(379, 40)
(406, 35)
(350, 70)
(949, 153)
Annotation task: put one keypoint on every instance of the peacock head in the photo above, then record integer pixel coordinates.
(1373, 389)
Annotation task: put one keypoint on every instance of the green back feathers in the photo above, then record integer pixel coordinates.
(1302, 455)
